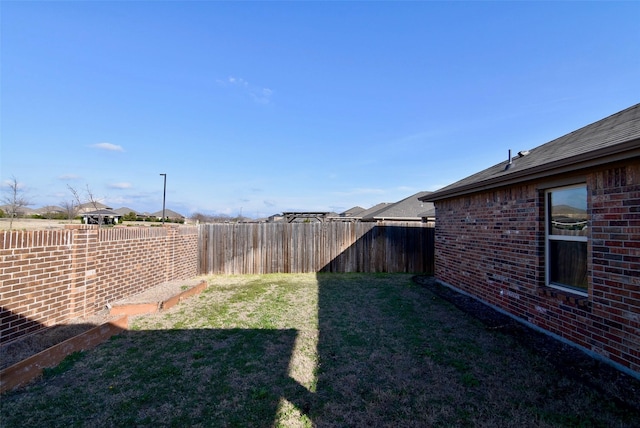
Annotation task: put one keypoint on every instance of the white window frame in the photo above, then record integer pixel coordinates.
(549, 237)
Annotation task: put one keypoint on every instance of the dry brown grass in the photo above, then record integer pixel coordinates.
(312, 350)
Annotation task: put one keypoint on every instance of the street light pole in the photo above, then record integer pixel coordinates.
(164, 195)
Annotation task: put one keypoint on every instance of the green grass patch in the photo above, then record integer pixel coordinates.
(64, 365)
(306, 350)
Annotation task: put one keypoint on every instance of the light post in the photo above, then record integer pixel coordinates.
(164, 195)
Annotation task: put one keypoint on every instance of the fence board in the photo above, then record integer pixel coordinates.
(315, 247)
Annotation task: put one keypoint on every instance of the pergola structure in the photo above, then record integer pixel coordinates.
(298, 217)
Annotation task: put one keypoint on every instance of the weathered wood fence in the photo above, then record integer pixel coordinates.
(315, 247)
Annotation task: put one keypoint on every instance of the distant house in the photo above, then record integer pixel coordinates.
(169, 215)
(275, 218)
(371, 211)
(408, 209)
(92, 206)
(102, 216)
(351, 212)
(20, 211)
(551, 236)
(50, 211)
(125, 211)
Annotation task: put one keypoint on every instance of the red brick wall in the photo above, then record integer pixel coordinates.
(36, 274)
(491, 245)
(615, 246)
(50, 277)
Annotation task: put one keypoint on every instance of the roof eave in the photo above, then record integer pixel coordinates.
(619, 152)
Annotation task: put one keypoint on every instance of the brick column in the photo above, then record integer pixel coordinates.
(170, 252)
(83, 282)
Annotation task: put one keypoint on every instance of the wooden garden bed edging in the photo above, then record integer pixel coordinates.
(30, 368)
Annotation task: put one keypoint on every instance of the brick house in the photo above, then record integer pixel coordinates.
(552, 238)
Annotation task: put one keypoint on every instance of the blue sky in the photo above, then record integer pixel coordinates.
(263, 107)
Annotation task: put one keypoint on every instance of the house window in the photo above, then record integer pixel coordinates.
(566, 243)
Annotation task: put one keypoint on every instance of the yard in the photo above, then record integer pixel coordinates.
(317, 350)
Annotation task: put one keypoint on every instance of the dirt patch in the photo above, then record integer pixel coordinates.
(24, 347)
(161, 292)
(34, 224)
(46, 224)
(572, 362)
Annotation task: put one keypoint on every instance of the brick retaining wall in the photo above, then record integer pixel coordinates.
(48, 277)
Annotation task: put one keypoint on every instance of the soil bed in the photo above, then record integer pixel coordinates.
(24, 347)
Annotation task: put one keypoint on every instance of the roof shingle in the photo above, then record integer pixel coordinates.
(613, 138)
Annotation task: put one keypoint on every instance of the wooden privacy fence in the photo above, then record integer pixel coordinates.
(315, 247)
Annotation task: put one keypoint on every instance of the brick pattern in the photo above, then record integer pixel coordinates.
(491, 245)
(615, 239)
(50, 277)
(36, 274)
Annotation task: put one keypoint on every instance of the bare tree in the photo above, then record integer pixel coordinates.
(90, 198)
(76, 196)
(94, 202)
(206, 218)
(14, 199)
(70, 209)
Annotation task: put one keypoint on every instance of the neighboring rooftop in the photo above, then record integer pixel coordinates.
(373, 210)
(123, 211)
(352, 212)
(167, 213)
(408, 209)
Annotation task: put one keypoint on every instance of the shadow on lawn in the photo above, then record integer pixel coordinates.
(234, 377)
(210, 377)
(231, 377)
(389, 353)
(242, 377)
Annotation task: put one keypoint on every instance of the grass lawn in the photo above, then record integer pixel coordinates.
(310, 350)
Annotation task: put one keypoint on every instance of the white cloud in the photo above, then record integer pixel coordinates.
(237, 81)
(108, 146)
(260, 95)
(10, 183)
(121, 186)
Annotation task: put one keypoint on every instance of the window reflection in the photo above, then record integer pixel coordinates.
(568, 209)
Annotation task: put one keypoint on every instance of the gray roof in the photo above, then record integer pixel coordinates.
(374, 209)
(94, 206)
(167, 213)
(613, 138)
(352, 212)
(125, 211)
(20, 210)
(49, 209)
(408, 209)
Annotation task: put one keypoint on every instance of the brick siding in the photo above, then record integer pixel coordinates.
(491, 244)
(49, 277)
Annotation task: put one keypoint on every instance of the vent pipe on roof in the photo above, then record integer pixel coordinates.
(510, 162)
